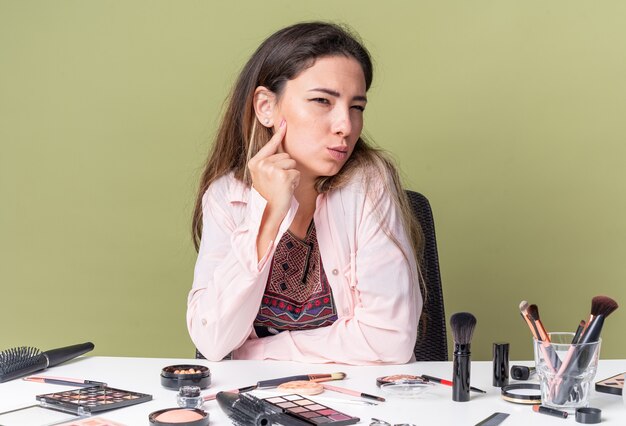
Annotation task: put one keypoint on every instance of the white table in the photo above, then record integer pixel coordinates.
(432, 408)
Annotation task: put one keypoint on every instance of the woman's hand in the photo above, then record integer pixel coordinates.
(274, 176)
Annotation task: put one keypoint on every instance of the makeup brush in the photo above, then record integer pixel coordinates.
(272, 383)
(552, 356)
(579, 356)
(462, 325)
(600, 305)
(548, 352)
(579, 332)
(22, 361)
(323, 377)
(533, 315)
(523, 308)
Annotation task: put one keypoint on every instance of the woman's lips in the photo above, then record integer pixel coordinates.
(338, 153)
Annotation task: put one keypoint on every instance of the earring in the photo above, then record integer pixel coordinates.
(266, 121)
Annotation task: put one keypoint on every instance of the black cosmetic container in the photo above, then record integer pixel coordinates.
(500, 364)
(176, 376)
(461, 373)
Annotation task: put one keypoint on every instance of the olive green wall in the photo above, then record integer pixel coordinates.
(508, 115)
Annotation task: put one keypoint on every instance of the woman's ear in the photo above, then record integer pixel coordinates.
(264, 105)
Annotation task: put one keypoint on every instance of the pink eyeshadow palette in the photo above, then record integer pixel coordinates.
(85, 401)
(614, 385)
(309, 411)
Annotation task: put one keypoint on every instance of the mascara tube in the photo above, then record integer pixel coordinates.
(461, 373)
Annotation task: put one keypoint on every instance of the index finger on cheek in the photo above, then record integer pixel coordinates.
(280, 136)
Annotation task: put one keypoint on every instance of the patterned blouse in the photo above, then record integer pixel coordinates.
(297, 294)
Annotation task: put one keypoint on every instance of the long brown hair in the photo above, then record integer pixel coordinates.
(282, 57)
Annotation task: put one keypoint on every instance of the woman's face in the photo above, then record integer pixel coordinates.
(323, 107)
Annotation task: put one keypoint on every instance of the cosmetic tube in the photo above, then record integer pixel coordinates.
(461, 373)
(549, 411)
(500, 364)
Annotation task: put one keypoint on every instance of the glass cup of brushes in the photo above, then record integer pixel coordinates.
(566, 371)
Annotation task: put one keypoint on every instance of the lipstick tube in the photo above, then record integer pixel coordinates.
(550, 411)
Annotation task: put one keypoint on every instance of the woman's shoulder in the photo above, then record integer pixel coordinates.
(228, 188)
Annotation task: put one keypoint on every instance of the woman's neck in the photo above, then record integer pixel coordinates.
(306, 195)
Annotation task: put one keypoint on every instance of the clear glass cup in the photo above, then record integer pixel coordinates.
(566, 371)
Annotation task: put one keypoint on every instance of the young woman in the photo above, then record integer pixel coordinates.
(307, 245)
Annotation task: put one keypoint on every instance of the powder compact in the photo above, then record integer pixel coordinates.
(397, 378)
(403, 385)
(86, 401)
(179, 417)
(176, 376)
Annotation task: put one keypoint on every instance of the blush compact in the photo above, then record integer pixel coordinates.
(179, 417)
(176, 376)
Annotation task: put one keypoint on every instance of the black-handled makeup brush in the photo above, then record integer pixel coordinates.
(579, 332)
(579, 356)
(462, 325)
(22, 361)
(600, 305)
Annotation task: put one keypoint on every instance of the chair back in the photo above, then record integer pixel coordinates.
(432, 342)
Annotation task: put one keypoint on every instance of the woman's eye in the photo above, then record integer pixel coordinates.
(359, 107)
(323, 101)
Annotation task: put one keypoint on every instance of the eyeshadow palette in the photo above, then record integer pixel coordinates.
(309, 411)
(614, 385)
(85, 401)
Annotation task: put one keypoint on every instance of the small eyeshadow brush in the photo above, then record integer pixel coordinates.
(67, 381)
(523, 309)
(579, 332)
(552, 359)
(533, 314)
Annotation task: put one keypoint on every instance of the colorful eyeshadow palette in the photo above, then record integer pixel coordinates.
(85, 401)
(614, 385)
(309, 411)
